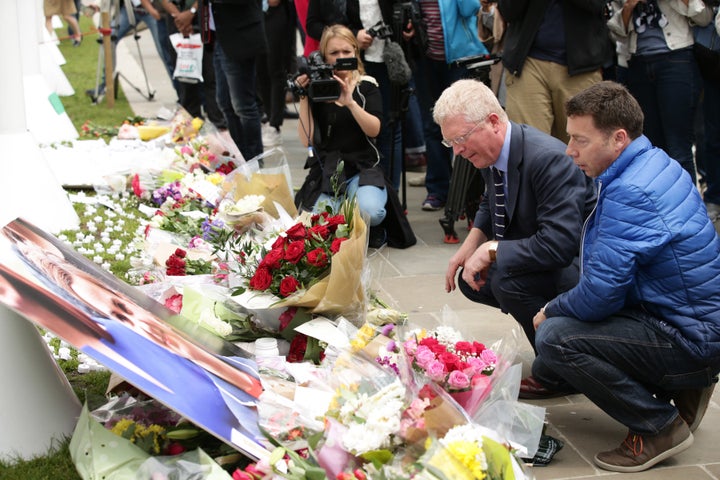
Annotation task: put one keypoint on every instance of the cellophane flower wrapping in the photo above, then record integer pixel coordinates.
(98, 453)
(449, 356)
(486, 393)
(267, 175)
(310, 263)
(363, 420)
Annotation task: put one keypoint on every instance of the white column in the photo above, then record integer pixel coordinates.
(27, 186)
(36, 402)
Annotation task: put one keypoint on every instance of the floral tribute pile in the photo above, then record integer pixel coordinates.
(353, 391)
(384, 419)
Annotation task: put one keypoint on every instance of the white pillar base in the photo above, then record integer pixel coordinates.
(37, 405)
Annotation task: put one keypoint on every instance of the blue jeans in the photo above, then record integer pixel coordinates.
(626, 364)
(236, 97)
(432, 78)
(371, 200)
(667, 87)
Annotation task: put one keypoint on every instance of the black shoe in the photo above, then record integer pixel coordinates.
(290, 115)
(377, 237)
(96, 95)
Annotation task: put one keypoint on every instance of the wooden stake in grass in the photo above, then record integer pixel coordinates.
(107, 47)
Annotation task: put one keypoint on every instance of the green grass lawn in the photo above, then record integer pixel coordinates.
(80, 69)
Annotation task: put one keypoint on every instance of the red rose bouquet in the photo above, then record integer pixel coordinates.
(316, 263)
(300, 256)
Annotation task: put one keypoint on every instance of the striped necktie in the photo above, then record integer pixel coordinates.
(499, 203)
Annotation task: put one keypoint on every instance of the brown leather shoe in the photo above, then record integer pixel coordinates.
(531, 389)
(692, 404)
(640, 452)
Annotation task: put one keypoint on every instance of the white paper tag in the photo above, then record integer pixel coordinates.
(325, 331)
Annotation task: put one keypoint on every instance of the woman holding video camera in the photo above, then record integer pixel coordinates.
(342, 130)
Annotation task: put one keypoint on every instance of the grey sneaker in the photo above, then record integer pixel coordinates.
(640, 452)
(692, 404)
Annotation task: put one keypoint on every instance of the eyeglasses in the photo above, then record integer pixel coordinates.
(462, 138)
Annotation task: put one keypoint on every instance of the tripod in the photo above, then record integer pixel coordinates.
(123, 25)
(399, 102)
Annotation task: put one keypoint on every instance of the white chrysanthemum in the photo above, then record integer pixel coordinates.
(373, 420)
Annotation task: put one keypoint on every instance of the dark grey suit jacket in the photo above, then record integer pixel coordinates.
(548, 199)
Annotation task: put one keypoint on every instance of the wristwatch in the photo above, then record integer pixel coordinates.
(492, 251)
(193, 10)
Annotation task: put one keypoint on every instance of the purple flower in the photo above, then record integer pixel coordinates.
(212, 228)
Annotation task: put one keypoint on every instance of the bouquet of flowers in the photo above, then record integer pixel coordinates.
(315, 263)
(195, 153)
(462, 368)
(301, 255)
(267, 175)
(470, 452)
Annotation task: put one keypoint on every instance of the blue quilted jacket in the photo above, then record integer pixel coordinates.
(650, 244)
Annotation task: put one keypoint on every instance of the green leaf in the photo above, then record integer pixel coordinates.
(302, 315)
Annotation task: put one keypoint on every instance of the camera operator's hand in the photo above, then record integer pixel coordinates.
(302, 81)
(347, 85)
(364, 39)
(408, 32)
(370, 124)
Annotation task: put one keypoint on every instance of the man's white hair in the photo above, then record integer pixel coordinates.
(470, 98)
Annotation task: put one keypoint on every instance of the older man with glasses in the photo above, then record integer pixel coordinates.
(522, 250)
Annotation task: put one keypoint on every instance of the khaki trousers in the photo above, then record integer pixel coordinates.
(538, 96)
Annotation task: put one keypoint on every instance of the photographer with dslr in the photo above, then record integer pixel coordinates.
(343, 129)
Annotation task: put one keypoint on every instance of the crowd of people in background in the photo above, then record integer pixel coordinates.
(597, 138)
(550, 50)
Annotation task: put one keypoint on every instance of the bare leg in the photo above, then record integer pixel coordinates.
(48, 25)
(72, 21)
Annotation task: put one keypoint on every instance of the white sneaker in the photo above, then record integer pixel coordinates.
(271, 136)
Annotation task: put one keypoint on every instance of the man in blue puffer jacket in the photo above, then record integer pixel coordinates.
(642, 327)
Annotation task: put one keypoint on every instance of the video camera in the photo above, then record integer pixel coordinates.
(322, 87)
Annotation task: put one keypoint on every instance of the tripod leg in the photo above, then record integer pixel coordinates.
(150, 94)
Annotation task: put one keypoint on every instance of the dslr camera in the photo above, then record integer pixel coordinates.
(322, 87)
(380, 30)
